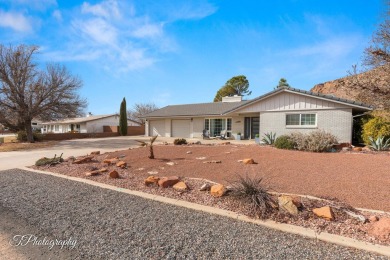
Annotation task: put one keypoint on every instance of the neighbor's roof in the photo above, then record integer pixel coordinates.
(202, 109)
(78, 119)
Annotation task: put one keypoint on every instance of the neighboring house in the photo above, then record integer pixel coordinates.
(36, 125)
(88, 124)
(281, 111)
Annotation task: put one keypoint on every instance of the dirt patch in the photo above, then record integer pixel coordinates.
(16, 146)
(361, 180)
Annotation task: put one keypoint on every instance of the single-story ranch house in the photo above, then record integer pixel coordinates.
(281, 111)
(88, 124)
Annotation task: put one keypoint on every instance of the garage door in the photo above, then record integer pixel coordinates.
(181, 128)
(157, 127)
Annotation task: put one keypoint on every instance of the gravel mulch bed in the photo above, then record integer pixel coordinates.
(113, 225)
(189, 164)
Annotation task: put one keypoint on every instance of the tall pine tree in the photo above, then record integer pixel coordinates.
(123, 118)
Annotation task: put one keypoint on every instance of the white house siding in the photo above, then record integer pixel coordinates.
(336, 121)
(96, 126)
(237, 125)
(290, 101)
(197, 127)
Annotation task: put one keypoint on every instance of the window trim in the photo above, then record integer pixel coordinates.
(228, 132)
(300, 118)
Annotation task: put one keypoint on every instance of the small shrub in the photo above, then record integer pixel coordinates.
(252, 190)
(315, 141)
(379, 144)
(49, 161)
(257, 136)
(375, 127)
(284, 142)
(180, 141)
(21, 136)
(269, 138)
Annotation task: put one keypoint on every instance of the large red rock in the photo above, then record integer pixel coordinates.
(180, 186)
(166, 182)
(114, 174)
(83, 160)
(151, 180)
(111, 161)
(380, 229)
(121, 164)
(217, 190)
(324, 212)
(248, 161)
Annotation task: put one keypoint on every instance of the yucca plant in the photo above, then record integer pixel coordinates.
(379, 144)
(269, 138)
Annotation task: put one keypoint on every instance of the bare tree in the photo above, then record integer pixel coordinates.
(27, 92)
(140, 109)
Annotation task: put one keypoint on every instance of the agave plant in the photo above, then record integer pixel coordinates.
(379, 144)
(269, 138)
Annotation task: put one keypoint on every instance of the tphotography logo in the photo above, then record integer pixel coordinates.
(29, 239)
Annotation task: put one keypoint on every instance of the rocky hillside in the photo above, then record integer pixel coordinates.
(371, 87)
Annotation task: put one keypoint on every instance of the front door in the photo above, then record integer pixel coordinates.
(251, 127)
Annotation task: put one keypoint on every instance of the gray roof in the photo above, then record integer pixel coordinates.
(77, 120)
(201, 109)
(222, 108)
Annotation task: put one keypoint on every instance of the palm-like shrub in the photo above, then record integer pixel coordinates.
(379, 144)
(150, 144)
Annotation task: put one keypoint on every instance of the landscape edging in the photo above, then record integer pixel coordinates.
(306, 232)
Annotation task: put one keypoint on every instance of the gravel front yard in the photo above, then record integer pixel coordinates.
(361, 180)
(113, 225)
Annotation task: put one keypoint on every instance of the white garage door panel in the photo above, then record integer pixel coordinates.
(157, 127)
(181, 128)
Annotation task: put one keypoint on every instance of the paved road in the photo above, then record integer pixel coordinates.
(113, 225)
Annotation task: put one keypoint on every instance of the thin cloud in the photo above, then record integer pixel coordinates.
(15, 21)
(107, 9)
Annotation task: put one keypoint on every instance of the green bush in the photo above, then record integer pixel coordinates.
(284, 142)
(180, 141)
(1, 140)
(22, 136)
(316, 141)
(376, 127)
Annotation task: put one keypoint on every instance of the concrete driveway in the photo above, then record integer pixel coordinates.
(76, 147)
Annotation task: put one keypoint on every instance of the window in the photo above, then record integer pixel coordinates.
(34, 123)
(301, 119)
(57, 128)
(216, 125)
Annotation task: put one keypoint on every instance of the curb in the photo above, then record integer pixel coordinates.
(306, 232)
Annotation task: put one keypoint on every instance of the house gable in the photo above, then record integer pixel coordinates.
(290, 101)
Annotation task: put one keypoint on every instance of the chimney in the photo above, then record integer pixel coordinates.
(235, 98)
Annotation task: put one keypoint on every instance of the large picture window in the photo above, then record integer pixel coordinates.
(216, 125)
(301, 119)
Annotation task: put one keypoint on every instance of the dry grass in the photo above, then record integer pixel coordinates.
(9, 139)
(16, 146)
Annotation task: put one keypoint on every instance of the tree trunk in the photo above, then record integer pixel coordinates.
(29, 131)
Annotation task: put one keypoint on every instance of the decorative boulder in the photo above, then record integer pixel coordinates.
(217, 190)
(166, 182)
(114, 174)
(83, 160)
(205, 187)
(380, 229)
(121, 164)
(180, 186)
(324, 212)
(111, 161)
(286, 203)
(248, 161)
(151, 180)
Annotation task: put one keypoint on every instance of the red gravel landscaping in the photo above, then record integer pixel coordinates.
(359, 179)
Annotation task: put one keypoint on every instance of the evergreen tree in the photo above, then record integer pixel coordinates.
(123, 118)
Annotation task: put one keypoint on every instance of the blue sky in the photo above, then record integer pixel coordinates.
(176, 52)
